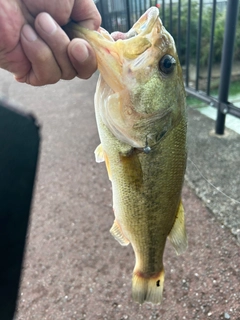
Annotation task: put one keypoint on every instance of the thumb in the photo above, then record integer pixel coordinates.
(82, 57)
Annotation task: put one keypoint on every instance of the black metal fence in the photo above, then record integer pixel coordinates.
(205, 33)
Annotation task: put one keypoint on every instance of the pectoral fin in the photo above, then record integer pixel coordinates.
(178, 236)
(107, 165)
(101, 156)
(116, 232)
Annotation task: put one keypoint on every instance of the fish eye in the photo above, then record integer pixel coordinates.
(167, 64)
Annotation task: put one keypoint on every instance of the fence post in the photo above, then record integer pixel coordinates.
(99, 5)
(210, 58)
(128, 15)
(188, 42)
(226, 64)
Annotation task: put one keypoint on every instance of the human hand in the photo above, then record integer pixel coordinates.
(34, 47)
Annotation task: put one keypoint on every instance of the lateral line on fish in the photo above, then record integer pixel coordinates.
(212, 185)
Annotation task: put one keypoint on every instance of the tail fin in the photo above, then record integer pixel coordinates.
(147, 289)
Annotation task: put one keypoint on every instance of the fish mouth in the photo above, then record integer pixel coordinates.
(145, 23)
(113, 50)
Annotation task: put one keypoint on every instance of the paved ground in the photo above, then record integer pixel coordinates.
(74, 269)
(231, 121)
(215, 159)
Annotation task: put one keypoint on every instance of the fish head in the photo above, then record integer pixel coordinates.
(141, 68)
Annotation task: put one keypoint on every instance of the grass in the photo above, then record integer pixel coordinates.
(233, 91)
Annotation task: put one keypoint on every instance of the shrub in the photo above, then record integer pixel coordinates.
(206, 31)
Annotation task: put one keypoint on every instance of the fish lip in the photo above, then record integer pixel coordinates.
(111, 55)
(145, 23)
(142, 27)
(147, 20)
(101, 40)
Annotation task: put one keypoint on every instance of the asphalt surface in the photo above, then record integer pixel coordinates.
(73, 268)
(213, 169)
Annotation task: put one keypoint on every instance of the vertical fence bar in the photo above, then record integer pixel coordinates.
(100, 9)
(188, 42)
(179, 30)
(199, 43)
(138, 9)
(128, 14)
(163, 12)
(133, 11)
(211, 48)
(226, 64)
(170, 17)
(144, 5)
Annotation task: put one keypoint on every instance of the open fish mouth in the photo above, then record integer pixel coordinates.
(142, 27)
(113, 50)
(146, 22)
(127, 62)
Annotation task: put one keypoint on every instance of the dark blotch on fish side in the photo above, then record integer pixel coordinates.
(161, 135)
(158, 283)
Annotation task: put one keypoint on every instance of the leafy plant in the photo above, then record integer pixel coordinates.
(171, 23)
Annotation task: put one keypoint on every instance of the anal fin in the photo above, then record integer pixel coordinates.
(178, 235)
(116, 232)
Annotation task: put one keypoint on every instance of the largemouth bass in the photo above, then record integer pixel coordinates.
(141, 119)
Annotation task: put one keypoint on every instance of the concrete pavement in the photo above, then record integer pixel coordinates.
(74, 269)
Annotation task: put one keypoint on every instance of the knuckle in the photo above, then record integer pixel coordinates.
(44, 77)
(42, 57)
(86, 71)
(85, 76)
(68, 74)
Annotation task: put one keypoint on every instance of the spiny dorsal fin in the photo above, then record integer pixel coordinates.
(178, 235)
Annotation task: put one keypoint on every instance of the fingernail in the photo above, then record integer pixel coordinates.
(88, 24)
(80, 52)
(29, 33)
(47, 23)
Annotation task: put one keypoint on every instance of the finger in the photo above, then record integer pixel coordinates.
(16, 61)
(59, 10)
(82, 57)
(45, 69)
(86, 14)
(58, 41)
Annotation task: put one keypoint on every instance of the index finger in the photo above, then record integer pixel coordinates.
(86, 14)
